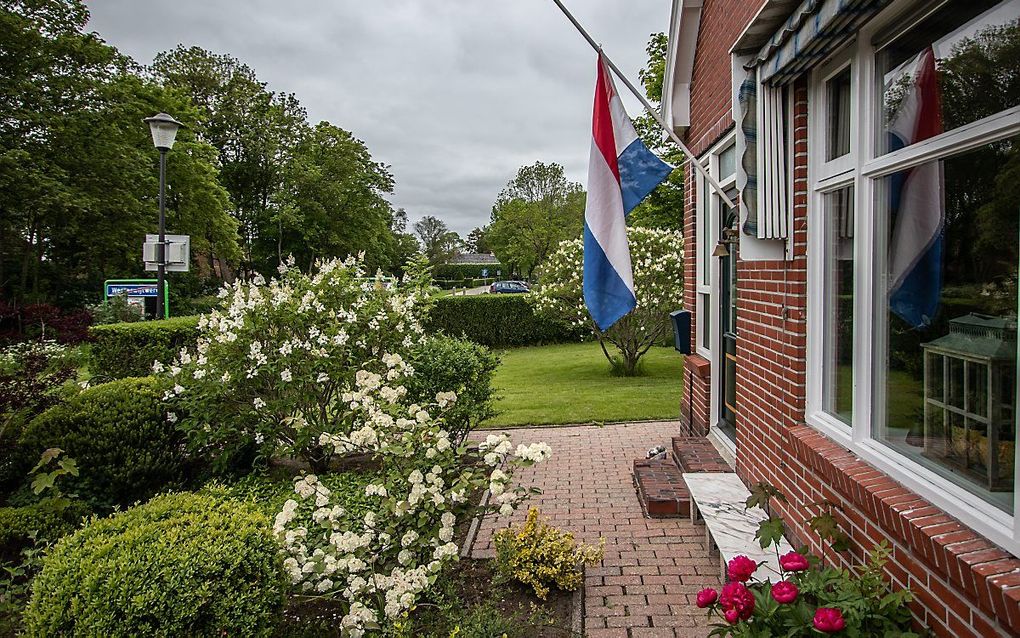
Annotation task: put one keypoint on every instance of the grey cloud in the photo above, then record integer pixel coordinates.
(454, 95)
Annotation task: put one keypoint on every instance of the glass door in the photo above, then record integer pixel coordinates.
(728, 323)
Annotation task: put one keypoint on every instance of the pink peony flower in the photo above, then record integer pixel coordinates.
(731, 615)
(829, 620)
(706, 597)
(794, 562)
(736, 597)
(740, 568)
(784, 592)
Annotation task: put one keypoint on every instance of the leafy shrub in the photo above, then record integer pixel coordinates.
(129, 349)
(658, 263)
(278, 366)
(179, 565)
(120, 435)
(42, 522)
(43, 321)
(811, 599)
(445, 364)
(497, 321)
(116, 309)
(34, 376)
(541, 556)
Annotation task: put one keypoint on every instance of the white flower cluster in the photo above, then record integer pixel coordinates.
(388, 555)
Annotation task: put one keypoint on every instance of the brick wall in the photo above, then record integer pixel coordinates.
(722, 22)
(964, 585)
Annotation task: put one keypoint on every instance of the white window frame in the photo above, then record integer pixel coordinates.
(709, 207)
(863, 171)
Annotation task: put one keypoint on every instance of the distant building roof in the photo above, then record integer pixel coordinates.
(474, 259)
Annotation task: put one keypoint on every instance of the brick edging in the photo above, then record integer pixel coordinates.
(986, 574)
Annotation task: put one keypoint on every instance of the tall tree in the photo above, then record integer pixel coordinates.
(77, 168)
(334, 204)
(664, 206)
(255, 132)
(538, 208)
(438, 242)
(476, 241)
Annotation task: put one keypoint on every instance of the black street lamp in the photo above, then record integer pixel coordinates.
(164, 132)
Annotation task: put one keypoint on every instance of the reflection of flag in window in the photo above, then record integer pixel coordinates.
(916, 200)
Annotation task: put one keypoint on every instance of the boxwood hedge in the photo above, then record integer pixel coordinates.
(497, 321)
(128, 349)
(179, 565)
(119, 434)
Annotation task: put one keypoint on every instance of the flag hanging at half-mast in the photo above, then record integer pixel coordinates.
(621, 173)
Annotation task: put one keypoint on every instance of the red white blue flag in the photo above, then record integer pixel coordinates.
(918, 203)
(621, 173)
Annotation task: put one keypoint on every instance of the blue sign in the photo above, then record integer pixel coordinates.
(131, 290)
(485, 273)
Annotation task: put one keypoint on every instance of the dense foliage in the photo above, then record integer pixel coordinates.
(36, 523)
(34, 376)
(538, 208)
(275, 367)
(498, 321)
(541, 556)
(128, 349)
(467, 271)
(120, 435)
(657, 261)
(446, 364)
(179, 565)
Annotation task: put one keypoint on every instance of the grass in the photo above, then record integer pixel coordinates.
(572, 383)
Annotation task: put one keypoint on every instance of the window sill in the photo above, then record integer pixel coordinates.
(867, 480)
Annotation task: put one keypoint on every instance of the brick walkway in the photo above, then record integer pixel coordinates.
(653, 568)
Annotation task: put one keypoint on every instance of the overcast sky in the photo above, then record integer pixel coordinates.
(454, 95)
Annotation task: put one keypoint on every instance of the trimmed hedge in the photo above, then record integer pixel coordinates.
(179, 565)
(497, 321)
(128, 349)
(119, 434)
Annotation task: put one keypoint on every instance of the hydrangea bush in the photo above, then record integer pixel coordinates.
(658, 264)
(317, 366)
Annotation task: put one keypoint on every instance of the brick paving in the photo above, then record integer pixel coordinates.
(653, 568)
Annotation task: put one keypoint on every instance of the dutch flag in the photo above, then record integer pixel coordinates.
(621, 172)
(917, 200)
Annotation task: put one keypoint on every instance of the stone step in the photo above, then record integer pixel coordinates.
(661, 488)
(697, 454)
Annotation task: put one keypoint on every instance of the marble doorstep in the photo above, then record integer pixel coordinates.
(719, 498)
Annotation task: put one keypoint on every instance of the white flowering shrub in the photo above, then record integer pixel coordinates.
(379, 564)
(658, 263)
(317, 366)
(285, 360)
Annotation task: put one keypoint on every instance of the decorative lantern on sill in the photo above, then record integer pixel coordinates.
(970, 398)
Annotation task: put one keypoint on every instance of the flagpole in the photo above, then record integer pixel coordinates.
(648, 106)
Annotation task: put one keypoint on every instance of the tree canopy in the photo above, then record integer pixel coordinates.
(537, 210)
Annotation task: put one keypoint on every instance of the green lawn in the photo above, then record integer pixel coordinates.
(571, 383)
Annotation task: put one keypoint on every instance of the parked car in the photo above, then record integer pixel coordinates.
(502, 287)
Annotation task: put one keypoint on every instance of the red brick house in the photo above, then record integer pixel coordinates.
(854, 329)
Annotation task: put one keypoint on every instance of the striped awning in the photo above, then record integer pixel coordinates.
(813, 30)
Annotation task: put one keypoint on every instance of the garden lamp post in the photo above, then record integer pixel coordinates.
(164, 131)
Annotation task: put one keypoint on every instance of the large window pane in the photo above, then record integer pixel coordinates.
(839, 303)
(955, 66)
(948, 341)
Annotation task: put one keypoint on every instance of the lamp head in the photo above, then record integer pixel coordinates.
(164, 130)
